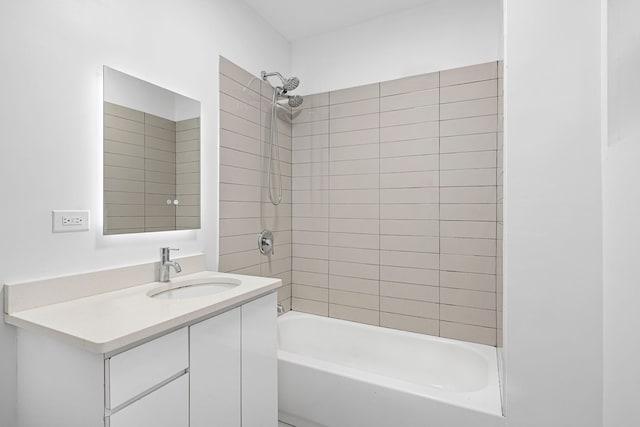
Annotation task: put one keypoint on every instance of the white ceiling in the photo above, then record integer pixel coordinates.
(297, 19)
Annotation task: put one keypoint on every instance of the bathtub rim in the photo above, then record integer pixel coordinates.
(491, 391)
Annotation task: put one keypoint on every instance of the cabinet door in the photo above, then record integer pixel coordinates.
(166, 407)
(260, 363)
(215, 371)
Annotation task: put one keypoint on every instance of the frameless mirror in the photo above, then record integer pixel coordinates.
(151, 157)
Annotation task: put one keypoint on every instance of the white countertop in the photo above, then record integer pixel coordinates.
(110, 321)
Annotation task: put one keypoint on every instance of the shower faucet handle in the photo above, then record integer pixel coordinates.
(266, 243)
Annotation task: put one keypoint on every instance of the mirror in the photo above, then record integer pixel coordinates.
(151, 157)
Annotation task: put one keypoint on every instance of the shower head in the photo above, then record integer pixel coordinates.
(295, 101)
(290, 83)
(287, 84)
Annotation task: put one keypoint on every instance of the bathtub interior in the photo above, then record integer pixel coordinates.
(454, 372)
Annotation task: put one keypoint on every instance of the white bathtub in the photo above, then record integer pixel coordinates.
(342, 374)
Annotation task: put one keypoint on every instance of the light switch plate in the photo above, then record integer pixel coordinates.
(67, 221)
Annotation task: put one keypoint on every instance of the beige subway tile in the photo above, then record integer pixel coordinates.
(238, 260)
(188, 124)
(310, 278)
(310, 251)
(472, 73)
(410, 100)
(428, 113)
(244, 78)
(123, 185)
(354, 284)
(410, 211)
(189, 156)
(235, 175)
(188, 178)
(409, 323)
(353, 299)
(160, 144)
(406, 132)
(309, 224)
(123, 124)
(349, 269)
(310, 293)
(410, 292)
(409, 84)
(354, 314)
(354, 94)
(310, 196)
(468, 194)
(310, 183)
(364, 196)
(468, 263)
(355, 240)
(409, 307)
(123, 173)
(462, 246)
(362, 256)
(409, 164)
(123, 210)
(367, 106)
(318, 155)
(310, 169)
(469, 126)
(238, 226)
(409, 179)
(124, 222)
(353, 123)
(239, 159)
(309, 210)
(284, 294)
(459, 331)
(472, 108)
(187, 189)
(309, 306)
(473, 229)
(123, 112)
(123, 149)
(188, 135)
(310, 265)
(413, 147)
(253, 270)
(315, 114)
(469, 316)
(468, 298)
(310, 237)
(406, 227)
(160, 122)
(346, 182)
(409, 243)
(468, 212)
(361, 211)
(239, 193)
(310, 128)
(192, 145)
(416, 276)
(316, 100)
(353, 167)
(238, 108)
(118, 135)
(356, 137)
(160, 210)
(355, 152)
(424, 195)
(409, 259)
(232, 244)
(229, 139)
(464, 92)
(309, 142)
(468, 177)
(229, 210)
(160, 133)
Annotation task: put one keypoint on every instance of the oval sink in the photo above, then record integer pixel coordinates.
(194, 288)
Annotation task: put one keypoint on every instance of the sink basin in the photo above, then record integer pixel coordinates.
(194, 288)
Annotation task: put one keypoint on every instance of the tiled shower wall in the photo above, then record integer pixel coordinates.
(245, 209)
(396, 211)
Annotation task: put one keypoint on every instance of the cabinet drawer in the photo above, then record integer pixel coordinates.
(141, 368)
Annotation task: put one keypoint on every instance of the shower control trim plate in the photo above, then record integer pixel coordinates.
(266, 243)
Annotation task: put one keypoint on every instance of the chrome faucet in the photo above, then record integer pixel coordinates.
(166, 262)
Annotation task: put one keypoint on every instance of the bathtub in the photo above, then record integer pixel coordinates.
(337, 373)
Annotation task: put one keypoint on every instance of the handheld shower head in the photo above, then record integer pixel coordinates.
(295, 101)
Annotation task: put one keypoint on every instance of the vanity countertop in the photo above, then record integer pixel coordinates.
(110, 321)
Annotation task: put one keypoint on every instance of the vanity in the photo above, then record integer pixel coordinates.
(114, 349)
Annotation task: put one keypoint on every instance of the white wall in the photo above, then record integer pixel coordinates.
(440, 35)
(52, 54)
(622, 218)
(553, 214)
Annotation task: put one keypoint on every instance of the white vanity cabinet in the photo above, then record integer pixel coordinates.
(221, 371)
